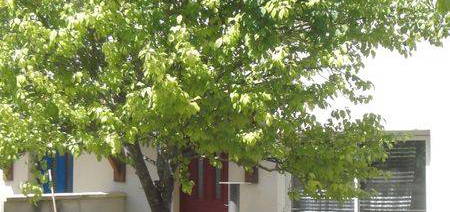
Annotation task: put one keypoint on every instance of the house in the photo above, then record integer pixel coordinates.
(92, 185)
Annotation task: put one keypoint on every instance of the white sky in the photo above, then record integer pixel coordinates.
(413, 93)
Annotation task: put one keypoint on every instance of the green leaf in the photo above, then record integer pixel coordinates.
(443, 6)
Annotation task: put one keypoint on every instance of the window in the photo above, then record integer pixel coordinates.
(61, 166)
(119, 169)
(403, 191)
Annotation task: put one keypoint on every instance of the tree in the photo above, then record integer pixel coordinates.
(201, 79)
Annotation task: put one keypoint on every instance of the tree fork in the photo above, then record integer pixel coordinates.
(152, 193)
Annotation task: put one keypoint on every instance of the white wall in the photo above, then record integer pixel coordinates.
(69, 202)
(92, 175)
(20, 169)
(268, 195)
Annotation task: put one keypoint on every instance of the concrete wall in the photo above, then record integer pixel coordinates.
(79, 202)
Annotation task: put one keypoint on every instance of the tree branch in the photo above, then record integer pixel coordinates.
(276, 168)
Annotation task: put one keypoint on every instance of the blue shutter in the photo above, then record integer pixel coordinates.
(62, 173)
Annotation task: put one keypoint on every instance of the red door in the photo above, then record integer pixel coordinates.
(207, 195)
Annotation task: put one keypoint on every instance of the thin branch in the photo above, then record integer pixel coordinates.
(276, 168)
(148, 159)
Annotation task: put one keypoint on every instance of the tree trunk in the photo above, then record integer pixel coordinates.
(166, 181)
(158, 194)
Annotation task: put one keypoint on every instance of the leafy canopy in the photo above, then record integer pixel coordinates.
(236, 77)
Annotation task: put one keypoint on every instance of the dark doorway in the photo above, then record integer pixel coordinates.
(208, 194)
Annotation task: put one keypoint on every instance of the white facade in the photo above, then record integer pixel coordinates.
(91, 175)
